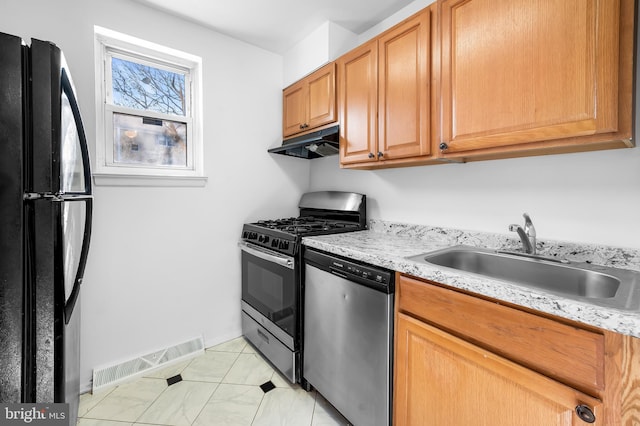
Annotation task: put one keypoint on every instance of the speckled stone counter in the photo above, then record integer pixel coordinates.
(388, 245)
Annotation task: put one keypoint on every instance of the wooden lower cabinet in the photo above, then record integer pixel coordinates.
(443, 380)
(464, 359)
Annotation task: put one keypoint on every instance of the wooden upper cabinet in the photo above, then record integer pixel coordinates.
(518, 72)
(321, 100)
(310, 102)
(404, 89)
(294, 113)
(384, 94)
(358, 97)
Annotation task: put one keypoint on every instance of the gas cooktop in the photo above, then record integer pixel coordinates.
(306, 225)
(321, 213)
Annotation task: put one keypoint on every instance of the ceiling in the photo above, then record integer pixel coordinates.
(277, 25)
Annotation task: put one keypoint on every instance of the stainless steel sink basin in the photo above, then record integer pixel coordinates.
(611, 287)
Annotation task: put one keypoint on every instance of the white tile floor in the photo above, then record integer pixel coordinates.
(220, 387)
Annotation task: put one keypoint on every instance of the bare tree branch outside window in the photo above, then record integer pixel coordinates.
(147, 88)
(148, 140)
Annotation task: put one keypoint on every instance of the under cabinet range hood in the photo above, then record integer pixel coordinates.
(317, 144)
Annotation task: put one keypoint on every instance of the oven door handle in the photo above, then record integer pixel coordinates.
(266, 254)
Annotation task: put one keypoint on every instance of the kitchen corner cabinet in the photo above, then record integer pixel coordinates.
(385, 97)
(310, 102)
(524, 78)
(461, 359)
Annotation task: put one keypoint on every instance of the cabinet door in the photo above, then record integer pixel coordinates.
(517, 71)
(404, 89)
(321, 100)
(443, 380)
(294, 109)
(358, 98)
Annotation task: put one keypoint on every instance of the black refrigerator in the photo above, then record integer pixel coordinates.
(45, 225)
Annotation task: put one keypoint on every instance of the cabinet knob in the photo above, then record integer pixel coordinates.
(380, 154)
(443, 146)
(371, 155)
(585, 413)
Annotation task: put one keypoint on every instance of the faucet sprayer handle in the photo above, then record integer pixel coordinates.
(528, 225)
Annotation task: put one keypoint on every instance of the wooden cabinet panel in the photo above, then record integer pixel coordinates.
(516, 71)
(629, 393)
(404, 89)
(385, 97)
(293, 111)
(322, 96)
(572, 355)
(310, 102)
(358, 97)
(443, 380)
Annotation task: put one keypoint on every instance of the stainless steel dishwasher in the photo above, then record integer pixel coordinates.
(348, 336)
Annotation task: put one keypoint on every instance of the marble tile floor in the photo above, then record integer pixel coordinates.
(220, 387)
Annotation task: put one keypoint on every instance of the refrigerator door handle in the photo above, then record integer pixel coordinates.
(75, 291)
(55, 197)
(31, 196)
(68, 185)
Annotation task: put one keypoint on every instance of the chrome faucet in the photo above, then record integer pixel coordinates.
(527, 235)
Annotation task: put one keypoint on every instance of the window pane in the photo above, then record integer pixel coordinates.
(149, 141)
(147, 88)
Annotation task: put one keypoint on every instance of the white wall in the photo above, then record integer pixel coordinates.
(300, 60)
(400, 15)
(163, 265)
(323, 45)
(584, 197)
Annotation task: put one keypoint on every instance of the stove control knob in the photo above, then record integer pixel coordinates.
(284, 245)
(275, 242)
(253, 235)
(263, 239)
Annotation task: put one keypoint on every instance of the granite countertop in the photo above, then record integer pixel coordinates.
(388, 245)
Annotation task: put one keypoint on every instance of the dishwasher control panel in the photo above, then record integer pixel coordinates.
(369, 275)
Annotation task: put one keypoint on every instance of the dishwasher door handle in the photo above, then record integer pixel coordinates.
(338, 273)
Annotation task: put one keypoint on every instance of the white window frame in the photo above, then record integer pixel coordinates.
(110, 44)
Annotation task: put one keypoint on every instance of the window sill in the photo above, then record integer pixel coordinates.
(143, 180)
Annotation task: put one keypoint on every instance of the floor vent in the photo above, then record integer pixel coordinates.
(118, 373)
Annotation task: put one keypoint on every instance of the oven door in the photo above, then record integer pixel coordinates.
(269, 291)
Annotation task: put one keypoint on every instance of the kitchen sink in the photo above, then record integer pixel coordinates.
(610, 287)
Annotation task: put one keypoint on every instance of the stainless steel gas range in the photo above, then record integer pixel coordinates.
(272, 269)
